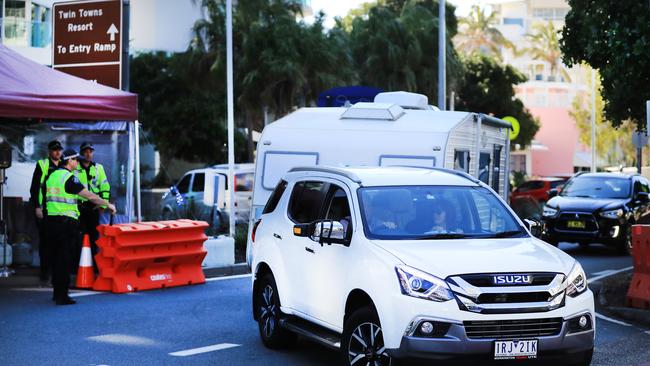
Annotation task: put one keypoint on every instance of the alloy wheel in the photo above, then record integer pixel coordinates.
(268, 311)
(366, 347)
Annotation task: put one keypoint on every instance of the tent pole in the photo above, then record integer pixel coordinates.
(138, 208)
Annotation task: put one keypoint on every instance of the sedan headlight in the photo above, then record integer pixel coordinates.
(576, 281)
(549, 211)
(422, 285)
(612, 214)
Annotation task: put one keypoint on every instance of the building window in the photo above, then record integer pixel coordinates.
(513, 21)
(15, 23)
(41, 34)
(550, 13)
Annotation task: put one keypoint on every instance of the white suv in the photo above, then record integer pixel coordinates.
(394, 262)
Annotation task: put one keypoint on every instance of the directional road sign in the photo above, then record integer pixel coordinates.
(87, 40)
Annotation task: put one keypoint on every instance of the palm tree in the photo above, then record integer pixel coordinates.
(545, 46)
(478, 34)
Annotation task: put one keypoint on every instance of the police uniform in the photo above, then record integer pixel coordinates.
(94, 179)
(62, 225)
(44, 168)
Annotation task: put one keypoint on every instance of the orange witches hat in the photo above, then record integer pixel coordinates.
(85, 274)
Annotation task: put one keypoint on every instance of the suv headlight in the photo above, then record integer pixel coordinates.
(612, 214)
(422, 285)
(549, 211)
(576, 281)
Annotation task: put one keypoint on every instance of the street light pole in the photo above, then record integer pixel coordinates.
(231, 120)
(442, 87)
(593, 120)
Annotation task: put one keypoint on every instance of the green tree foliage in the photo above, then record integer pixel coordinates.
(613, 37)
(488, 88)
(480, 35)
(181, 117)
(395, 46)
(613, 145)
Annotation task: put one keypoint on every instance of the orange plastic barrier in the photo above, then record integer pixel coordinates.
(150, 255)
(638, 295)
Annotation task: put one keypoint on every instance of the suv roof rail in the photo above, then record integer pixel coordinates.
(444, 170)
(322, 169)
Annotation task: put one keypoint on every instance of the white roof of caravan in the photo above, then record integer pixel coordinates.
(329, 118)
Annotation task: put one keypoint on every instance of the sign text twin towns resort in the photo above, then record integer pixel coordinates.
(87, 40)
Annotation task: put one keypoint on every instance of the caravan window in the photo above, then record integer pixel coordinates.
(461, 160)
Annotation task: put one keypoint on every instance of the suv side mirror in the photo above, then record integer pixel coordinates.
(325, 231)
(642, 197)
(552, 193)
(534, 226)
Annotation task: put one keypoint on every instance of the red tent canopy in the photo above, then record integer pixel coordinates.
(31, 90)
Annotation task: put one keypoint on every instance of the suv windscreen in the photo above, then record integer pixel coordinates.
(597, 187)
(435, 212)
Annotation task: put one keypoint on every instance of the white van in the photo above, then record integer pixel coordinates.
(397, 129)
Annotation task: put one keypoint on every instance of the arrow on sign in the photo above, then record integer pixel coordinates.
(112, 30)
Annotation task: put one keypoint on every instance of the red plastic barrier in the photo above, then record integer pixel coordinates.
(150, 255)
(638, 295)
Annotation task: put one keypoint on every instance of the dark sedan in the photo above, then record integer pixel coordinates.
(597, 208)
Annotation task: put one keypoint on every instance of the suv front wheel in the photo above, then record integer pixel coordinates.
(363, 340)
(267, 305)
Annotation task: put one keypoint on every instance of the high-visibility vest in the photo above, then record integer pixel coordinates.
(98, 183)
(44, 164)
(57, 200)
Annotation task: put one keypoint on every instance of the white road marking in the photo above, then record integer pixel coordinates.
(227, 277)
(607, 273)
(603, 317)
(647, 332)
(86, 293)
(206, 349)
(123, 339)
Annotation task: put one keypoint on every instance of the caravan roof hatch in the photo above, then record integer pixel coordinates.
(380, 111)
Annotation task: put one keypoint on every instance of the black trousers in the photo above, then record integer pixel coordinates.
(88, 222)
(44, 250)
(63, 234)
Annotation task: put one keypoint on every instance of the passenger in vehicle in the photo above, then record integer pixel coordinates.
(443, 214)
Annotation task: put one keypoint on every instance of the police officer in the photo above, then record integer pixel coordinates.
(61, 224)
(44, 168)
(93, 177)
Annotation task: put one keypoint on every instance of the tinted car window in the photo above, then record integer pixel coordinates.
(184, 185)
(338, 207)
(244, 182)
(306, 201)
(530, 185)
(597, 187)
(640, 186)
(272, 203)
(556, 183)
(199, 182)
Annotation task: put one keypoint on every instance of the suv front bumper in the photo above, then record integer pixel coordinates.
(564, 348)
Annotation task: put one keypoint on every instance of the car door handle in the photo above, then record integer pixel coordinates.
(310, 250)
(277, 236)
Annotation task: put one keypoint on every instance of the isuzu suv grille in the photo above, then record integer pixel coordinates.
(508, 293)
(513, 328)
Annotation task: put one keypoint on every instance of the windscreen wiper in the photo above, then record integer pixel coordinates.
(506, 234)
(443, 236)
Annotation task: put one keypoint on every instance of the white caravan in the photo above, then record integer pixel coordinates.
(397, 129)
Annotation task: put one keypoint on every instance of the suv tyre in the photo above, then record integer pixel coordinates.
(586, 361)
(267, 303)
(624, 247)
(363, 341)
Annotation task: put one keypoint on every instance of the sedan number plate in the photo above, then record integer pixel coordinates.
(576, 224)
(515, 349)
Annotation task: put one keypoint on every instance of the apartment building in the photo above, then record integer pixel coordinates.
(549, 92)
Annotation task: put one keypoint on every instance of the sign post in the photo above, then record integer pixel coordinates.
(87, 40)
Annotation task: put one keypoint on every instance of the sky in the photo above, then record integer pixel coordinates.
(340, 8)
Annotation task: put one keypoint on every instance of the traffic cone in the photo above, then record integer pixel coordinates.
(85, 274)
